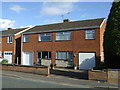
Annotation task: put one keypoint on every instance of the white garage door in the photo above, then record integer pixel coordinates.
(27, 58)
(86, 60)
(8, 56)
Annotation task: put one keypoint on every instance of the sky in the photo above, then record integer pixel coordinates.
(27, 14)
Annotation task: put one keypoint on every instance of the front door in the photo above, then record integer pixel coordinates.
(28, 58)
(70, 59)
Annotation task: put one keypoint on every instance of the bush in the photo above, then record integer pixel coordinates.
(74, 65)
(4, 62)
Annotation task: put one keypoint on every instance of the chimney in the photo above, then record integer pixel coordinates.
(66, 20)
(9, 28)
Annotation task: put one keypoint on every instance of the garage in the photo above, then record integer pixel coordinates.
(8, 56)
(86, 60)
(27, 58)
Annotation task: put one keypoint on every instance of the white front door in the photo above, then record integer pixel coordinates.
(27, 58)
(8, 56)
(86, 60)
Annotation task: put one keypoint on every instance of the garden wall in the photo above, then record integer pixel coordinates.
(42, 70)
(109, 75)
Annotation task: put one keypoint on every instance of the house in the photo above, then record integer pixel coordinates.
(10, 44)
(65, 44)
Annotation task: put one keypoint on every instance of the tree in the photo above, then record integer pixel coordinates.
(112, 37)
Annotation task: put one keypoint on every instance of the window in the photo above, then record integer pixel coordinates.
(10, 39)
(45, 37)
(64, 55)
(63, 36)
(0, 54)
(90, 34)
(0, 39)
(44, 55)
(26, 38)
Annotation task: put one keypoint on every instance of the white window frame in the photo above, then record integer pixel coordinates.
(24, 36)
(45, 34)
(0, 54)
(61, 52)
(88, 32)
(9, 39)
(64, 34)
(0, 39)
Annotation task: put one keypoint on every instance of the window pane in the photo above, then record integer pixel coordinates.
(61, 55)
(26, 38)
(44, 55)
(45, 37)
(9, 39)
(39, 54)
(90, 34)
(63, 36)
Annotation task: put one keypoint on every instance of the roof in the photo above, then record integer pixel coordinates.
(65, 26)
(11, 31)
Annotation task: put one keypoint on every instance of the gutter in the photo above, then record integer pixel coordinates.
(69, 29)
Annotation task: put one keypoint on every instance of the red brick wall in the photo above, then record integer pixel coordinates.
(77, 44)
(97, 75)
(30, 69)
(8, 47)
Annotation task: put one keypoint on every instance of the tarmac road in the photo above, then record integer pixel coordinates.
(12, 79)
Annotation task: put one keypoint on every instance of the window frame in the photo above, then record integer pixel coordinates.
(0, 54)
(10, 38)
(87, 32)
(67, 55)
(44, 34)
(63, 34)
(25, 39)
(48, 53)
(0, 39)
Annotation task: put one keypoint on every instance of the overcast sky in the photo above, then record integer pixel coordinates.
(22, 14)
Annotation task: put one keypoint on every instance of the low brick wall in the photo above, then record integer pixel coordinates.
(97, 75)
(109, 75)
(42, 70)
(114, 76)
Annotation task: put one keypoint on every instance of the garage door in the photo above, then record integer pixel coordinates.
(86, 60)
(27, 58)
(8, 56)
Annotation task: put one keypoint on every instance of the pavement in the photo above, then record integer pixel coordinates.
(12, 79)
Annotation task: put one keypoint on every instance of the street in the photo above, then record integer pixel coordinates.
(11, 79)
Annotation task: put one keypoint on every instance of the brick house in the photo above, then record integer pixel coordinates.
(65, 44)
(10, 44)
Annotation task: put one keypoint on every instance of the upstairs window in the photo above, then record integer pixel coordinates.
(90, 34)
(26, 38)
(63, 36)
(45, 37)
(10, 39)
(0, 39)
(0, 54)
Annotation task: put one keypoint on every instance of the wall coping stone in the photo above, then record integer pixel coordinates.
(25, 66)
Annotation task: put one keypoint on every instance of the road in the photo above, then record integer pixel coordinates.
(11, 79)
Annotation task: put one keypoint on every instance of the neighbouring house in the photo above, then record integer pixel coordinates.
(10, 44)
(65, 44)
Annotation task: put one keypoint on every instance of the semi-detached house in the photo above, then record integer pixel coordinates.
(64, 44)
(10, 44)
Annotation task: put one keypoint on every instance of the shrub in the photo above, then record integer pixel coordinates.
(4, 62)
